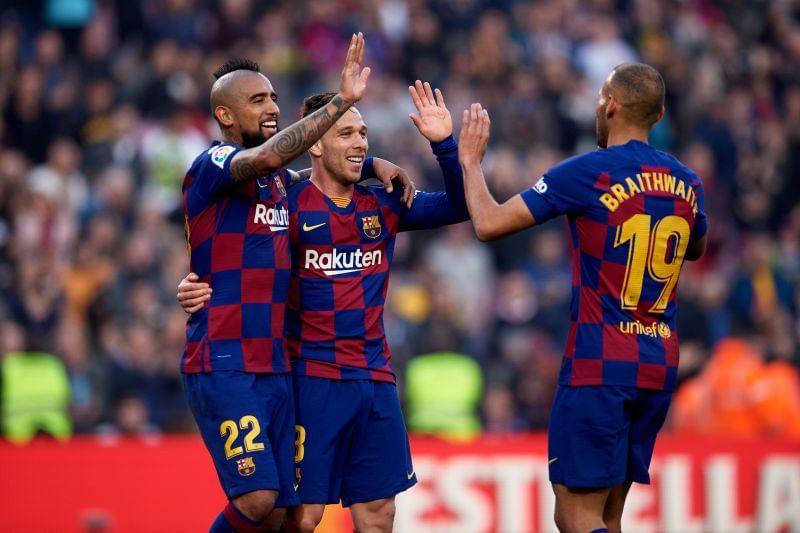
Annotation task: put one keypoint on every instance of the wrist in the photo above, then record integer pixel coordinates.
(346, 102)
(446, 144)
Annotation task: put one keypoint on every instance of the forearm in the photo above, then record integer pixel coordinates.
(482, 206)
(447, 155)
(289, 144)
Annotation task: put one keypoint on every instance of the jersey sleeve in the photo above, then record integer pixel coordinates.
(563, 189)
(700, 227)
(212, 170)
(435, 209)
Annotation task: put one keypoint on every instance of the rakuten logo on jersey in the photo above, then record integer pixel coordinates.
(277, 219)
(339, 262)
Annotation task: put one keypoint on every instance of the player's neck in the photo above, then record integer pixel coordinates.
(329, 186)
(624, 135)
(228, 137)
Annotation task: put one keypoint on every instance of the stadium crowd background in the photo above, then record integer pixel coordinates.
(105, 104)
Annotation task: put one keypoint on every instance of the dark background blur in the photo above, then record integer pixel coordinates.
(104, 104)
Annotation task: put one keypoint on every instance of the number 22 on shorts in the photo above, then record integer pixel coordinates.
(229, 429)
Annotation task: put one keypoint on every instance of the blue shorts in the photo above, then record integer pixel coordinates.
(247, 424)
(352, 443)
(601, 436)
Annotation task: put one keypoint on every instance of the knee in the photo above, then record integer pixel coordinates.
(377, 518)
(256, 505)
(561, 521)
(303, 519)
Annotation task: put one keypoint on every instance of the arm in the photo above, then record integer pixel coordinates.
(436, 125)
(290, 143)
(387, 172)
(698, 239)
(490, 219)
(696, 249)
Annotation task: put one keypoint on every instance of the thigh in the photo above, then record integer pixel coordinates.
(234, 412)
(324, 410)
(648, 413)
(379, 465)
(588, 436)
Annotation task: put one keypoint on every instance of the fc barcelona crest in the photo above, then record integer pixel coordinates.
(371, 225)
(246, 466)
(279, 184)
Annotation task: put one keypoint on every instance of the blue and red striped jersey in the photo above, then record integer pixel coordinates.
(632, 211)
(237, 233)
(340, 270)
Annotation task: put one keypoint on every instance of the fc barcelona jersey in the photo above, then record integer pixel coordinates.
(340, 270)
(632, 211)
(237, 233)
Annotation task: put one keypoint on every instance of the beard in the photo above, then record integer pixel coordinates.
(251, 140)
(601, 131)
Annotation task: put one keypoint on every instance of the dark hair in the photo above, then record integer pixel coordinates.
(640, 90)
(316, 101)
(237, 63)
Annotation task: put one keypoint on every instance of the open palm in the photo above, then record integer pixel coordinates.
(433, 119)
(354, 77)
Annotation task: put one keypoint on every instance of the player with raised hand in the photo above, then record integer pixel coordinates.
(235, 366)
(635, 214)
(352, 444)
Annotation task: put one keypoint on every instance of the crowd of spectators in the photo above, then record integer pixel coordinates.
(104, 104)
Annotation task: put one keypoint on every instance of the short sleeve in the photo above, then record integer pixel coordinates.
(700, 222)
(563, 189)
(211, 171)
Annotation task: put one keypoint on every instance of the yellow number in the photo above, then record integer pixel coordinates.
(228, 427)
(637, 230)
(662, 268)
(648, 250)
(249, 421)
(299, 449)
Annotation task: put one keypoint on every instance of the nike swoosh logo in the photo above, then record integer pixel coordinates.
(411, 475)
(306, 227)
(551, 461)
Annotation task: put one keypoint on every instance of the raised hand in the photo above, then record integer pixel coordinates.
(474, 136)
(433, 121)
(354, 77)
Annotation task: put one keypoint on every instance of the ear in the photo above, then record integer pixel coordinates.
(316, 149)
(660, 113)
(224, 116)
(611, 106)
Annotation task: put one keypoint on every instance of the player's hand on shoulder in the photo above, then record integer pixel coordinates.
(433, 119)
(393, 176)
(354, 74)
(474, 136)
(192, 294)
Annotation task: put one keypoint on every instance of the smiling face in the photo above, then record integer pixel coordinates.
(251, 109)
(343, 148)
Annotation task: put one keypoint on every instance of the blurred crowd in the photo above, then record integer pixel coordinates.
(104, 104)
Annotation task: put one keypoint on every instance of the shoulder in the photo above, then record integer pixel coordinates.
(296, 191)
(676, 164)
(214, 157)
(377, 192)
(579, 163)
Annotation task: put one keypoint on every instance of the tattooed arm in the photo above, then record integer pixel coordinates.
(290, 143)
